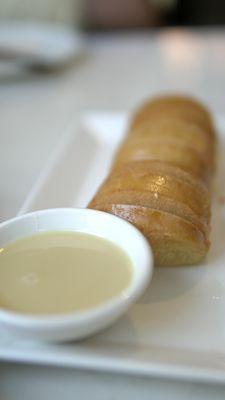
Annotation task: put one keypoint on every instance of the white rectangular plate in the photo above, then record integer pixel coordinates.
(177, 329)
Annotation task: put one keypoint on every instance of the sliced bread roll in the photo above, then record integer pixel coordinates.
(160, 180)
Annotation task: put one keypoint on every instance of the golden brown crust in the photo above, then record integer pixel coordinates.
(149, 200)
(177, 154)
(159, 184)
(174, 131)
(179, 107)
(161, 167)
(161, 178)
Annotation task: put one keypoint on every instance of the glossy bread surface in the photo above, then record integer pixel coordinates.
(161, 178)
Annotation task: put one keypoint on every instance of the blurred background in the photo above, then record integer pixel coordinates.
(116, 14)
(40, 35)
(61, 58)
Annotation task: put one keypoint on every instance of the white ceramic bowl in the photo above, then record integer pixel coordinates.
(80, 324)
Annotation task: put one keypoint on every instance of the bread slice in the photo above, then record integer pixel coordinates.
(174, 240)
(161, 167)
(174, 131)
(178, 107)
(149, 200)
(182, 156)
(159, 184)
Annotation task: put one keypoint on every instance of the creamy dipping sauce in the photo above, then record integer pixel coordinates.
(59, 272)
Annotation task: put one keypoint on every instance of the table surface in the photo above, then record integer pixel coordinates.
(115, 72)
